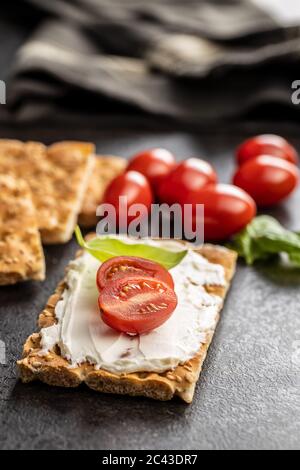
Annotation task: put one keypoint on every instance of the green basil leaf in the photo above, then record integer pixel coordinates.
(295, 258)
(105, 248)
(264, 237)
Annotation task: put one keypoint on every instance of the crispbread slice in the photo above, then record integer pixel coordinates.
(105, 170)
(21, 252)
(57, 176)
(53, 369)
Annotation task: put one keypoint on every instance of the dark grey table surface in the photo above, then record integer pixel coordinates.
(249, 392)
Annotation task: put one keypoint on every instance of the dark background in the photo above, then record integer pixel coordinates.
(249, 392)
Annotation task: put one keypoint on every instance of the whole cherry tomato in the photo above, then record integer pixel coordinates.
(154, 164)
(125, 266)
(267, 179)
(267, 144)
(227, 210)
(188, 176)
(134, 186)
(136, 305)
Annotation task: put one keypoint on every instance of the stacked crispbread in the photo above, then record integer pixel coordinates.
(57, 176)
(52, 182)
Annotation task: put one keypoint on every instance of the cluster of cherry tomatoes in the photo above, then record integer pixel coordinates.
(266, 174)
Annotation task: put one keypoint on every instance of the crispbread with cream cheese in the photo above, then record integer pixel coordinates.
(105, 170)
(53, 369)
(21, 252)
(57, 176)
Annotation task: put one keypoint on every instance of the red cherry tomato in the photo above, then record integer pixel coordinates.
(136, 305)
(154, 164)
(267, 144)
(132, 185)
(227, 210)
(190, 175)
(267, 179)
(125, 266)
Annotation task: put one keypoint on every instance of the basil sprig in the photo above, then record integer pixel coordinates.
(104, 248)
(265, 237)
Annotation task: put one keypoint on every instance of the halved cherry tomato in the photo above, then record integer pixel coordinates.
(125, 266)
(136, 305)
(267, 179)
(266, 144)
(154, 164)
(227, 209)
(134, 186)
(190, 175)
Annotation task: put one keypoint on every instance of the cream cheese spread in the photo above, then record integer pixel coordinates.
(83, 337)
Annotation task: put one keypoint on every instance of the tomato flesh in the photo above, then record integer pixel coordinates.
(125, 266)
(227, 210)
(136, 305)
(267, 179)
(154, 164)
(135, 187)
(266, 144)
(190, 175)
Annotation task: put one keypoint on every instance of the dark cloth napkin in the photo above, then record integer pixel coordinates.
(195, 61)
